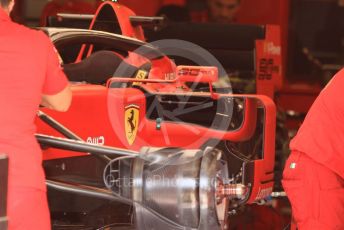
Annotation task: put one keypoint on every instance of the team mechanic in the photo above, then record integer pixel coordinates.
(313, 177)
(30, 74)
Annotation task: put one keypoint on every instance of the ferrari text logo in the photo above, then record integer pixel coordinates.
(131, 122)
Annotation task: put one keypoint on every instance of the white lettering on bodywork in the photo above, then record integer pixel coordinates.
(96, 140)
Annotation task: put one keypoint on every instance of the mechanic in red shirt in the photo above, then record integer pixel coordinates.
(313, 177)
(30, 74)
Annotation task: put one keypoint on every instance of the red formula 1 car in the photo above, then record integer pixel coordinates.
(150, 145)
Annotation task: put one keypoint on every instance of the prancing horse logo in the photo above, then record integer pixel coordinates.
(131, 122)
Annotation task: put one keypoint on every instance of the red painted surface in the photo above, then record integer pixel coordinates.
(101, 111)
(269, 62)
(122, 13)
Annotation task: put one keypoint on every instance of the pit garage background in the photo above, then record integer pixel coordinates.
(312, 46)
(311, 33)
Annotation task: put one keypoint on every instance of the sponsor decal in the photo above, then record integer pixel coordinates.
(267, 67)
(131, 122)
(140, 75)
(195, 72)
(96, 140)
(271, 49)
(170, 76)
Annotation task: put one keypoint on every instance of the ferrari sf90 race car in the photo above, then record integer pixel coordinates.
(150, 145)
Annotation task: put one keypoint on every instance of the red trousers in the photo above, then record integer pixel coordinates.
(27, 209)
(315, 192)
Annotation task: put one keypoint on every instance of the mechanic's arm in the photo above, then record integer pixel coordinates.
(60, 101)
(56, 93)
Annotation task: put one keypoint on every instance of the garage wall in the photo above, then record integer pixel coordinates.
(31, 11)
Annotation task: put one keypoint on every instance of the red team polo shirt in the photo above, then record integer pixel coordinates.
(321, 136)
(29, 67)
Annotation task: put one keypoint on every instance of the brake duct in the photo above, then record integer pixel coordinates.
(170, 188)
(173, 188)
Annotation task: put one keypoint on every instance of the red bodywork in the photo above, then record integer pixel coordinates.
(122, 14)
(105, 123)
(296, 96)
(97, 113)
(160, 67)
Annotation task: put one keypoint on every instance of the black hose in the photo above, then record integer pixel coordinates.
(85, 190)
